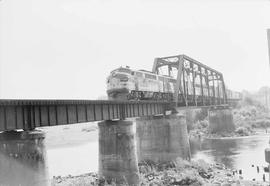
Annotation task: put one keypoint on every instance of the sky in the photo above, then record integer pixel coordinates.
(65, 49)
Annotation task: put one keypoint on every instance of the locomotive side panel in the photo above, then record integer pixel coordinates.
(161, 84)
(148, 83)
(172, 85)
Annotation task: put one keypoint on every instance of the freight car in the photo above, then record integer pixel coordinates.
(233, 95)
(126, 84)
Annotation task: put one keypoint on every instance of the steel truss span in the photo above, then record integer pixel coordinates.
(29, 114)
(196, 83)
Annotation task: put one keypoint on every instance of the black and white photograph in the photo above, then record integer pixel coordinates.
(134, 92)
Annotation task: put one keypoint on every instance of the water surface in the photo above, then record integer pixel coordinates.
(245, 153)
(74, 150)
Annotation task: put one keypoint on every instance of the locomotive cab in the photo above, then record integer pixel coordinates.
(120, 82)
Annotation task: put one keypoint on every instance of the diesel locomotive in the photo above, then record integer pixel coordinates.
(126, 84)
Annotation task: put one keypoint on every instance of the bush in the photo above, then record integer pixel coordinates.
(249, 101)
(204, 123)
(201, 114)
(242, 131)
(262, 123)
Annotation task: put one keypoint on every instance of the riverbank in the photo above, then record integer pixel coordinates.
(248, 120)
(181, 172)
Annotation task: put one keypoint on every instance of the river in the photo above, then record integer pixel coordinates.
(243, 153)
(74, 150)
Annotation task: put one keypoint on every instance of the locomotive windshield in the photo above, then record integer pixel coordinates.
(125, 70)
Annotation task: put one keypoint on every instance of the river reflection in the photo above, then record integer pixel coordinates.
(23, 159)
(245, 153)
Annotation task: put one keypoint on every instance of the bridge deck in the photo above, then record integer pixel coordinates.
(29, 114)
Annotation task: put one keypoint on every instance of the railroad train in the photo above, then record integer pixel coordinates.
(126, 84)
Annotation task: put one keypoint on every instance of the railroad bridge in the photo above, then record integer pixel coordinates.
(160, 125)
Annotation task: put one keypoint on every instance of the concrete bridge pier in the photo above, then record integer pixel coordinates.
(117, 154)
(220, 120)
(23, 159)
(162, 138)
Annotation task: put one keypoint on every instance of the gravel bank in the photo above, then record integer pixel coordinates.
(181, 172)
